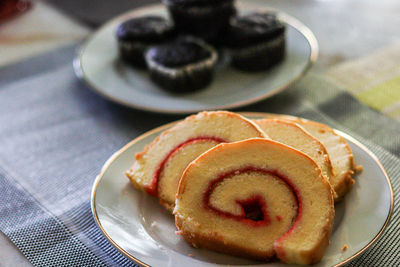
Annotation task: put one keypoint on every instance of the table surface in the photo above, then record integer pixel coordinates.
(33, 33)
(345, 29)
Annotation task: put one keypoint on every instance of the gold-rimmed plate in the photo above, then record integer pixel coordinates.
(143, 231)
(99, 66)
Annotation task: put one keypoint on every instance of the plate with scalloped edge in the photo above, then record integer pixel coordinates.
(138, 226)
(99, 66)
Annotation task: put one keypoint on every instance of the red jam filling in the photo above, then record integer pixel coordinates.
(152, 188)
(254, 209)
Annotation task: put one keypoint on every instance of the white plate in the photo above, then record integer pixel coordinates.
(99, 66)
(142, 230)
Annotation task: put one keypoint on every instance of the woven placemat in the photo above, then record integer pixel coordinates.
(374, 79)
(56, 134)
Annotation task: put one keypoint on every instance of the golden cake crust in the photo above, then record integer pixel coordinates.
(218, 244)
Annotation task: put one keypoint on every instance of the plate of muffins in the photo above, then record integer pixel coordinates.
(222, 188)
(184, 56)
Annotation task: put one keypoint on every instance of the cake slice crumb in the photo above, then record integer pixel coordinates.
(358, 168)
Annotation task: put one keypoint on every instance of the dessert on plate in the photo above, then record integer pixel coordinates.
(158, 169)
(203, 18)
(136, 35)
(261, 189)
(177, 55)
(184, 65)
(256, 198)
(256, 41)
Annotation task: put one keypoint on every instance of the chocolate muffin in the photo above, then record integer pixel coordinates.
(136, 35)
(184, 65)
(205, 19)
(256, 41)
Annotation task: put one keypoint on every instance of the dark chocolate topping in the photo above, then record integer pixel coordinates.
(197, 3)
(179, 53)
(253, 28)
(149, 29)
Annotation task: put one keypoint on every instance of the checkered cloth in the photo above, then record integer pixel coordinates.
(55, 135)
(374, 79)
